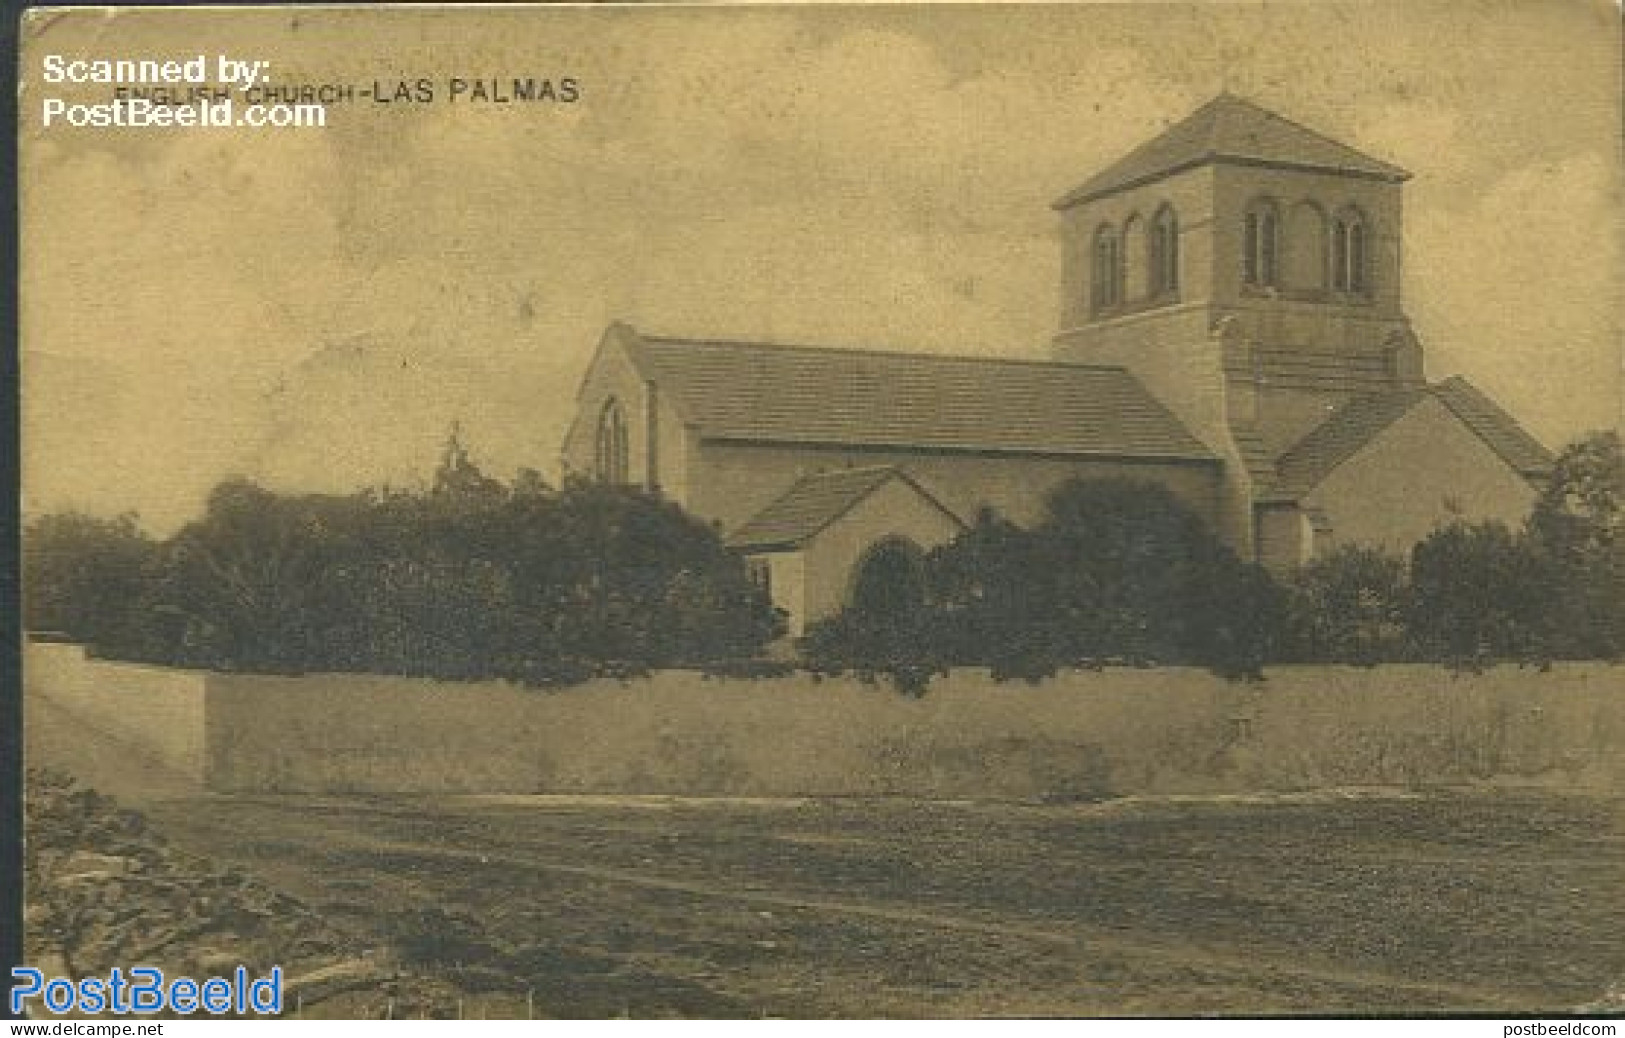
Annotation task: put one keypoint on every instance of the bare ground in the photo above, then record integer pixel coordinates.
(1494, 901)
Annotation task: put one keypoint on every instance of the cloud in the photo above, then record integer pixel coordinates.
(1520, 288)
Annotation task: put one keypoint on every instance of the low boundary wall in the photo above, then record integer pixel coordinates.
(154, 714)
(1084, 734)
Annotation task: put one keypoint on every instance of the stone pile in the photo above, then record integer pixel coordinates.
(102, 889)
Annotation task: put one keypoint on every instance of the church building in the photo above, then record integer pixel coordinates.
(1231, 328)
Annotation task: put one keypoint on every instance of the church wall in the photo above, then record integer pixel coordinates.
(1171, 352)
(674, 442)
(1286, 416)
(893, 510)
(1313, 327)
(733, 481)
(612, 374)
(1285, 539)
(787, 585)
(1408, 481)
(1176, 354)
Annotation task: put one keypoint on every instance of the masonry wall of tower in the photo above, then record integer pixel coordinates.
(1288, 303)
(1167, 341)
(1188, 195)
(1337, 318)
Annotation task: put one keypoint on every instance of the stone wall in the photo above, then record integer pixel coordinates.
(1115, 732)
(152, 718)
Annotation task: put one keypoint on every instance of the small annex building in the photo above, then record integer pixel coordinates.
(1231, 329)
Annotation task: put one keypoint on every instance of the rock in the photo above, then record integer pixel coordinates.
(87, 865)
(343, 976)
(216, 962)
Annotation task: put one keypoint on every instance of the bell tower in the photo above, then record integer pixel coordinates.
(1247, 270)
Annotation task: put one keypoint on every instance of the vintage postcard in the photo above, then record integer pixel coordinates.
(823, 511)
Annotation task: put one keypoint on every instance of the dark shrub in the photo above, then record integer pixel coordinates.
(469, 580)
(1347, 607)
(1479, 594)
(1117, 571)
(1578, 523)
(84, 577)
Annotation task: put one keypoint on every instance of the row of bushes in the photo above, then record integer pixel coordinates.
(476, 579)
(1119, 572)
(469, 579)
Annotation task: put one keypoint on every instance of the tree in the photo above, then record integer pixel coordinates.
(1348, 607)
(83, 576)
(630, 576)
(1580, 512)
(1578, 522)
(1117, 571)
(993, 603)
(1134, 574)
(457, 476)
(471, 579)
(252, 582)
(1480, 593)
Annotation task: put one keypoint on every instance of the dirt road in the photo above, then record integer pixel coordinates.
(658, 906)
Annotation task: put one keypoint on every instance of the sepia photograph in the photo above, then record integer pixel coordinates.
(819, 511)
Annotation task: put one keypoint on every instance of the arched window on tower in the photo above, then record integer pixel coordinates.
(1106, 270)
(1164, 254)
(1351, 260)
(1260, 244)
(611, 461)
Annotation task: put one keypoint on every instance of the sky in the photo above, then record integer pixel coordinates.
(313, 308)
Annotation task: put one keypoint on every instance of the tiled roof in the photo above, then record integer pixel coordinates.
(1363, 418)
(814, 502)
(1339, 438)
(820, 395)
(1229, 128)
(1257, 458)
(1495, 427)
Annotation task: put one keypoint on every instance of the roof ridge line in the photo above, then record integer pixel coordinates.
(820, 474)
(1438, 390)
(870, 351)
(1204, 130)
(1407, 398)
(891, 471)
(1311, 131)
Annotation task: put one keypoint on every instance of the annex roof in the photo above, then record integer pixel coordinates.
(843, 397)
(1495, 427)
(816, 501)
(1230, 129)
(1362, 419)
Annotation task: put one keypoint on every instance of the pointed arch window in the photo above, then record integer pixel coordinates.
(1106, 270)
(1164, 253)
(612, 461)
(1260, 245)
(1351, 261)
